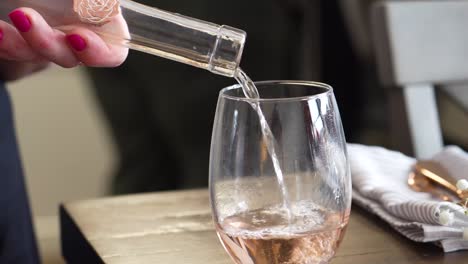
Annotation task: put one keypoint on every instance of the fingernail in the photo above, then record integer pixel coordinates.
(76, 42)
(1, 34)
(20, 20)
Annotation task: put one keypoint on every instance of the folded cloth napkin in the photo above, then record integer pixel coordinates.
(380, 185)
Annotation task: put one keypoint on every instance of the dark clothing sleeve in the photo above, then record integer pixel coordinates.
(17, 241)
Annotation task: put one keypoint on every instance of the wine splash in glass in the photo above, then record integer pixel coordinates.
(251, 92)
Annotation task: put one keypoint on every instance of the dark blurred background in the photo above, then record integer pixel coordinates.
(160, 112)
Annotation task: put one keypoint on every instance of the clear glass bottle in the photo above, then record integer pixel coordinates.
(173, 36)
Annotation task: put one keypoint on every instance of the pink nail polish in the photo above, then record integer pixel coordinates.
(1, 34)
(76, 42)
(20, 20)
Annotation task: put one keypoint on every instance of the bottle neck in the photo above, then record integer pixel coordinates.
(198, 43)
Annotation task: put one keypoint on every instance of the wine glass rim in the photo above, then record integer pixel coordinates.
(327, 91)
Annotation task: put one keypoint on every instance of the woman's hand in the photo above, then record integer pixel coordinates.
(29, 44)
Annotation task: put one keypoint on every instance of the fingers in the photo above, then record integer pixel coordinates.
(13, 46)
(38, 40)
(44, 40)
(91, 49)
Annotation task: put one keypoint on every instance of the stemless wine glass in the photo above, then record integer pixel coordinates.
(257, 219)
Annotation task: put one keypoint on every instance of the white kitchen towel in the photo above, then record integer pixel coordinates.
(380, 185)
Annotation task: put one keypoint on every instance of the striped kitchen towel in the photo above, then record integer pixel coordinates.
(379, 179)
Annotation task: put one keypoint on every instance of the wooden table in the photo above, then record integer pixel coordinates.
(176, 227)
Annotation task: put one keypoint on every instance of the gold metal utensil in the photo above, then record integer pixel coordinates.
(428, 176)
(421, 183)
